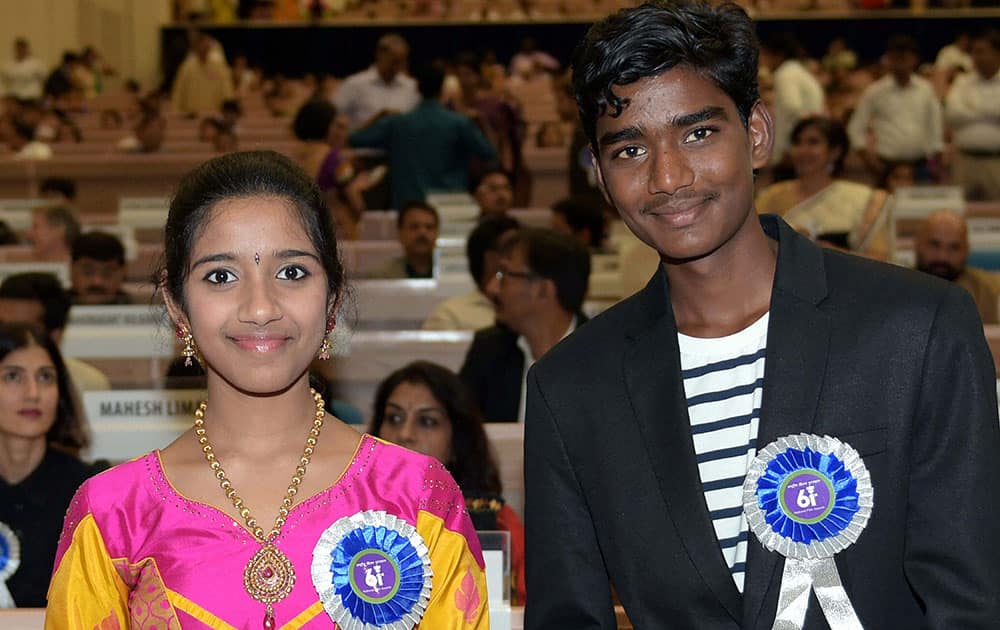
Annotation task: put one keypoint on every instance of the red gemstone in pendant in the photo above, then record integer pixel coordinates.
(267, 573)
(268, 621)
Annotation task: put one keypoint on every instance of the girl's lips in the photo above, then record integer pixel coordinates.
(33, 413)
(260, 344)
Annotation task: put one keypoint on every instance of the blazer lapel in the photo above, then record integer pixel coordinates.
(797, 347)
(652, 378)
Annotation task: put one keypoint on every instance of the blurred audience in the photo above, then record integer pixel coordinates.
(954, 58)
(19, 136)
(797, 93)
(324, 155)
(417, 231)
(97, 272)
(427, 408)
(493, 192)
(817, 202)
(203, 80)
(500, 120)
(430, 148)
(973, 113)
(942, 249)
(475, 309)
(41, 433)
(550, 134)
(382, 89)
(58, 189)
(53, 230)
(899, 117)
(538, 289)
(23, 76)
(529, 61)
(583, 218)
(39, 299)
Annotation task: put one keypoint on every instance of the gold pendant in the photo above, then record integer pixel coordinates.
(269, 576)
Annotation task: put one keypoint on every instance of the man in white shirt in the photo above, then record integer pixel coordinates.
(797, 93)
(954, 58)
(382, 89)
(973, 112)
(203, 81)
(898, 117)
(23, 76)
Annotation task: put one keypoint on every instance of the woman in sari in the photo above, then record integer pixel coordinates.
(818, 203)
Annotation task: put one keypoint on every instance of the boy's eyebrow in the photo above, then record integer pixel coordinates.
(706, 113)
(614, 137)
(681, 120)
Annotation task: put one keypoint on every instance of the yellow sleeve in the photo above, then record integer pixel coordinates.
(458, 595)
(86, 592)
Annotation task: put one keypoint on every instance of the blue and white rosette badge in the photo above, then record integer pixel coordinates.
(372, 571)
(808, 498)
(10, 560)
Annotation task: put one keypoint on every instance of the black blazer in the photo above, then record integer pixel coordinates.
(492, 370)
(891, 361)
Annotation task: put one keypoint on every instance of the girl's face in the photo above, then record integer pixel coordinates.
(29, 394)
(256, 294)
(416, 420)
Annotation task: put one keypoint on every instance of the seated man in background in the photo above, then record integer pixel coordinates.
(98, 270)
(581, 217)
(53, 230)
(39, 299)
(475, 310)
(417, 231)
(942, 248)
(538, 290)
(493, 192)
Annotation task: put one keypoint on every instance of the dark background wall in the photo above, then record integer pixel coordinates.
(343, 49)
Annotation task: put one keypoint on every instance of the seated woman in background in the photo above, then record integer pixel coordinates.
(40, 432)
(426, 408)
(819, 204)
(324, 156)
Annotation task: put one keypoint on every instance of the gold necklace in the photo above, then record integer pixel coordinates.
(269, 576)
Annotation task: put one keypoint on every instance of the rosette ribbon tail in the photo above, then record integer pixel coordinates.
(6, 599)
(801, 577)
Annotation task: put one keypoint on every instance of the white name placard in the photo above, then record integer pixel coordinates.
(117, 332)
(449, 257)
(143, 212)
(59, 270)
(127, 423)
(17, 212)
(916, 202)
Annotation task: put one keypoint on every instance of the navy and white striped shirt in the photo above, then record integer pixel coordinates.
(723, 383)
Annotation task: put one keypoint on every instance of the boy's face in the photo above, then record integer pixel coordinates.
(678, 162)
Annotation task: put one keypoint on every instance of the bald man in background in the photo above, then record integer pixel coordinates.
(942, 249)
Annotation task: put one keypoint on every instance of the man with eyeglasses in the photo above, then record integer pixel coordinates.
(538, 291)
